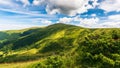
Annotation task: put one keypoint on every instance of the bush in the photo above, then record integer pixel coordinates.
(50, 62)
(54, 62)
(52, 46)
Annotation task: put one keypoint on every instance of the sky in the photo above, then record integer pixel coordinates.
(19, 14)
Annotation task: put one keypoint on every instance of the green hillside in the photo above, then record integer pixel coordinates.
(61, 46)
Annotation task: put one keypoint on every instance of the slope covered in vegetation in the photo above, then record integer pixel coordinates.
(62, 46)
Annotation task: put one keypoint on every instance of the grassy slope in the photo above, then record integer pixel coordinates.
(66, 41)
(19, 64)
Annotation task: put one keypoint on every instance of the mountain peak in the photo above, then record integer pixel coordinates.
(60, 24)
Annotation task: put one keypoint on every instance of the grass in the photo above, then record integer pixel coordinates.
(19, 64)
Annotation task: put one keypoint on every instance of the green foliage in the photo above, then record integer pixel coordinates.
(115, 35)
(52, 46)
(54, 62)
(50, 62)
(62, 46)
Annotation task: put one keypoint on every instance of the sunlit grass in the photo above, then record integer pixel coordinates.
(18, 64)
(1, 52)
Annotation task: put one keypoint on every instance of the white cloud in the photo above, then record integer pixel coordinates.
(113, 21)
(93, 15)
(109, 25)
(8, 4)
(14, 4)
(68, 7)
(17, 24)
(41, 21)
(14, 26)
(38, 2)
(27, 13)
(25, 2)
(92, 22)
(114, 17)
(110, 5)
(5, 2)
(65, 20)
(46, 22)
(85, 22)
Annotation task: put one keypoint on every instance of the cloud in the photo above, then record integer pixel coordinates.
(30, 13)
(65, 20)
(85, 22)
(113, 21)
(68, 7)
(5, 2)
(38, 2)
(110, 5)
(92, 22)
(25, 2)
(15, 26)
(8, 4)
(45, 22)
(109, 25)
(114, 17)
(93, 15)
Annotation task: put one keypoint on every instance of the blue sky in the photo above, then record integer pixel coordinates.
(19, 14)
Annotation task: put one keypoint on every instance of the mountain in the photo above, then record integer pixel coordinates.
(62, 46)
